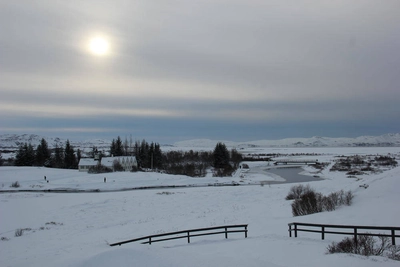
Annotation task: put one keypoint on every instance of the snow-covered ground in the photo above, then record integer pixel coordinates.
(73, 229)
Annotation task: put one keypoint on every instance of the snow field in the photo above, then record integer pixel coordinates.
(85, 222)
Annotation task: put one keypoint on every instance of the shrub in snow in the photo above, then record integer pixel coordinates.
(308, 203)
(297, 191)
(165, 193)
(191, 169)
(386, 161)
(311, 202)
(227, 171)
(54, 223)
(338, 199)
(344, 246)
(117, 166)
(15, 184)
(328, 203)
(99, 169)
(262, 183)
(367, 246)
(394, 253)
(134, 169)
(19, 232)
(348, 198)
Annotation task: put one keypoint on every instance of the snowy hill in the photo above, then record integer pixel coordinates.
(316, 141)
(10, 142)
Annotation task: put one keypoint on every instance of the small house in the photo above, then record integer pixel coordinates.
(86, 163)
(127, 162)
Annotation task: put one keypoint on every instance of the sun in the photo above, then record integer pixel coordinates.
(99, 46)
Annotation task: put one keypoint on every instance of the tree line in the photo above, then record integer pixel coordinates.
(191, 163)
(62, 157)
(195, 164)
(148, 156)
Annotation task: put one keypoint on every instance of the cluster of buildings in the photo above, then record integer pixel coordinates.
(127, 163)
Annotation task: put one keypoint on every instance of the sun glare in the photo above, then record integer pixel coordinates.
(99, 46)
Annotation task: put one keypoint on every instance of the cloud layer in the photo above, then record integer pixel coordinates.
(303, 67)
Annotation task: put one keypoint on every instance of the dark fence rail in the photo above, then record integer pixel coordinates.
(325, 229)
(189, 233)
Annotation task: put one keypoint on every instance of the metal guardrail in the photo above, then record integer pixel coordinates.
(188, 234)
(355, 230)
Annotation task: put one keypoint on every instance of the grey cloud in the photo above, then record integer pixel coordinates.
(320, 61)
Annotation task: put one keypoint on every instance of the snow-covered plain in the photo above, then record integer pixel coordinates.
(74, 229)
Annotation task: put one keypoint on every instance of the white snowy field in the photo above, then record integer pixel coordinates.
(73, 229)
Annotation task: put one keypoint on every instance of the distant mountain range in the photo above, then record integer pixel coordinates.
(316, 141)
(11, 142)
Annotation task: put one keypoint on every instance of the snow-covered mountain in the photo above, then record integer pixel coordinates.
(11, 142)
(316, 141)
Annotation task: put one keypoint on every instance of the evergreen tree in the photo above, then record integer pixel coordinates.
(30, 155)
(42, 153)
(144, 154)
(130, 146)
(236, 157)
(25, 155)
(150, 155)
(20, 156)
(221, 156)
(157, 157)
(69, 157)
(136, 149)
(119, 149)
(58, 158)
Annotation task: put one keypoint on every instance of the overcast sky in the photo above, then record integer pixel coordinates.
(220, 69)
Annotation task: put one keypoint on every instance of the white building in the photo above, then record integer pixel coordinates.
(127, 162)
(86, 163)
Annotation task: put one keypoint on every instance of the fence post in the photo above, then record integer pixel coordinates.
(149, 240)
(245, 231)
(226, 232)
(290, 230)
(355, 240)
(188, 236)
(295, 230)
(393, 238)
(323, 232)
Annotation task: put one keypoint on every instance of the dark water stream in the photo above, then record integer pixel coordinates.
(291, 175)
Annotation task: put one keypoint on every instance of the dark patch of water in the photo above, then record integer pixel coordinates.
(292, 175)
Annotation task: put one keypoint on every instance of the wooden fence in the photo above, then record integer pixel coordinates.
(325, 229)
(189, 233)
